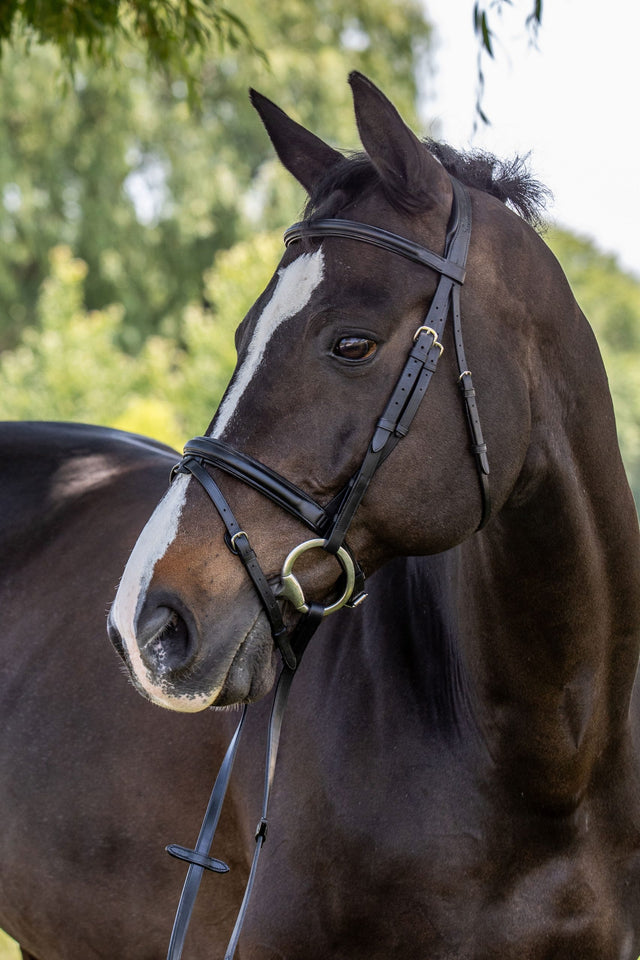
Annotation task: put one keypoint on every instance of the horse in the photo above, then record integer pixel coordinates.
(457, 773)
(466, 788)
(95, 780)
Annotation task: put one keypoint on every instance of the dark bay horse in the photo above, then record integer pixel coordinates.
(95, 780)
(468, 790)
(458, 773)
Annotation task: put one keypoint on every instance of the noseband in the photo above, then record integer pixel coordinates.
(331, 522)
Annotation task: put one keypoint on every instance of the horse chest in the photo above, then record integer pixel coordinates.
(402, 855)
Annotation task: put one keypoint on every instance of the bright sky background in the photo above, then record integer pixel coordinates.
(572, 103)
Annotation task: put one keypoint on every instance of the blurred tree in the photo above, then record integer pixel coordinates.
(70, 366)
(144, 190)
(610, 298)
(9, 949)
(167, 32)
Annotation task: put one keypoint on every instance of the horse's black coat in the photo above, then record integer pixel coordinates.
(458, 777)
(94, 781)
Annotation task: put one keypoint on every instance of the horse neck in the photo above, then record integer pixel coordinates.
(397, 655)
(551, 626)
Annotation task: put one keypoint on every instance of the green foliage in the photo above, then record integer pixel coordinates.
(168, 31)
(610, 298)
(145, 190)
(485, 12)
(71, 366)
(9, 949)
(484, 16)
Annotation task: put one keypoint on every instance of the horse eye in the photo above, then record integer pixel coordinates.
(354, 348)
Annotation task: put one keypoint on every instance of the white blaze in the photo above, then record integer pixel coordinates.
(150, 547)
(293, 291)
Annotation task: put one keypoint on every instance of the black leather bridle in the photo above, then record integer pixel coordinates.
(331, 522)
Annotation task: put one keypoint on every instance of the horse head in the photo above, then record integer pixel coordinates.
(320, 354)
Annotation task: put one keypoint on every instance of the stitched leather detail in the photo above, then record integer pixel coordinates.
(260, 477)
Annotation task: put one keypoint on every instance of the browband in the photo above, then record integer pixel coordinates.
(354, 230)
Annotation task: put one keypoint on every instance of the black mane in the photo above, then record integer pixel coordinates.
(507, 180)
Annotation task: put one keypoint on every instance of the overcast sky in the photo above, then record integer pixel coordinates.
(572, 103)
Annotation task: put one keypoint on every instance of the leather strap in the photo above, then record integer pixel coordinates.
(354, 230)
(291, 498)
(416, 376)
(305, 631)
(199, 859)
(478, 445)
(270, 484)
(238, 543)
(391, 427)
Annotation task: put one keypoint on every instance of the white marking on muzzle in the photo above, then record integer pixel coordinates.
(293, 291)
(150, 547)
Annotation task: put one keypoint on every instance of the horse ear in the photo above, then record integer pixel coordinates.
(303, 154)
(415, 179)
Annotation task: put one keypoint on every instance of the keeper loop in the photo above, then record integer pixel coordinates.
(231, 541)
(197, 858)
(261, 829)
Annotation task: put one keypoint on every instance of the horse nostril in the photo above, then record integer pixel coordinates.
(163, 638)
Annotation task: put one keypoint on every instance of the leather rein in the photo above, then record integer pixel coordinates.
(331, 522)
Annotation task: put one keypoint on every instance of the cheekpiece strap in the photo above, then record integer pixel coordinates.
(238, 543)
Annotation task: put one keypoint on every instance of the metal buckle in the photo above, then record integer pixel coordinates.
(291, 589)
(430, 330)
(231, 541)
